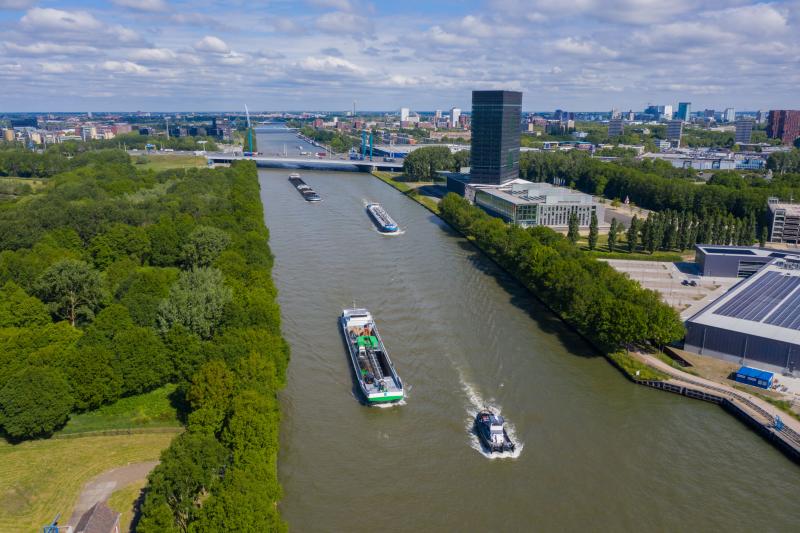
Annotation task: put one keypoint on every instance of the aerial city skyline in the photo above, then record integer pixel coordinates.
(323, 54)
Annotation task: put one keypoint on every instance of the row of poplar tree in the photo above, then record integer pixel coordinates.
(672, 230)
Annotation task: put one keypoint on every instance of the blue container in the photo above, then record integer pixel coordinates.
(754, 377)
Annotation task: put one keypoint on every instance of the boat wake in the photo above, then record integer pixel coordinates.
(475, 404)
(389, 405)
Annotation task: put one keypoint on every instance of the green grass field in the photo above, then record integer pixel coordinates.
(149, 410)
(41, 478)
(124, 500)
(159, 162)
(621, 250)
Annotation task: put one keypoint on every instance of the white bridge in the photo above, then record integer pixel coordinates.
(351, 165)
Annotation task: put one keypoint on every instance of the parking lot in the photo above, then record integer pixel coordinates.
(668, 279)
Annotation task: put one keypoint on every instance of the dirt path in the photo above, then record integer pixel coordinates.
(101, 487)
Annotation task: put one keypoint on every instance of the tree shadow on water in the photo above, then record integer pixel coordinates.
(523, 299)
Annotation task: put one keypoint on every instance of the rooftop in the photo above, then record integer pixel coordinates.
(716, 249)
(791, 209)
(764, 305)
(522, 192)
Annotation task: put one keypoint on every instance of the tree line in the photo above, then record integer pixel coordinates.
(607, 307)
(423, 163)
(658, 186)
(115, 281)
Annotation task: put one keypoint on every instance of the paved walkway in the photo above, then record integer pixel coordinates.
(100, 488)
(759, 409)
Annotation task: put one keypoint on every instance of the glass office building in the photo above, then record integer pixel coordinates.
(495, 136)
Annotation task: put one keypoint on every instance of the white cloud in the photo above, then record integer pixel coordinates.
(342, 5)
(337, 21)
(47, 48)
(16, 4)
(55, 19)
(330, 65)
(143, 5)
(209, 43)
(571, 45)
(154, 55)
(124, 67)
(56, 68)
(439, 36)
(758, 19)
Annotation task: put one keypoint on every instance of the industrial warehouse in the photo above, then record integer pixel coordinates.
(755, 323)
(733, 261)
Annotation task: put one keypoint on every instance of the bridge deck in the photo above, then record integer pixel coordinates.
(309, 162)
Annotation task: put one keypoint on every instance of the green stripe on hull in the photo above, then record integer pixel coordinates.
(381, 399)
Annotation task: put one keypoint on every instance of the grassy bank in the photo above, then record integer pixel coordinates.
(152, 409)
(634, 368)
(44, 477)
(161, 162)
(410, 189)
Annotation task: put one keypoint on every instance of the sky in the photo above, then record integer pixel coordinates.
(579, 55)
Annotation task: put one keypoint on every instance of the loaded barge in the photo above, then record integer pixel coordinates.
(305, 191)
(382, 219)
(377, 378)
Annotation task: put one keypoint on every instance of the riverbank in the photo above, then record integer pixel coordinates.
(413, 189)
(649, 371)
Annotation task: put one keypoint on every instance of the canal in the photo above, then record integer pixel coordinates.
(597, 452)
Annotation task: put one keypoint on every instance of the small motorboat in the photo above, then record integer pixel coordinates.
(491, 430)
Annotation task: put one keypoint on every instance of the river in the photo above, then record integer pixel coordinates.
(597, 453)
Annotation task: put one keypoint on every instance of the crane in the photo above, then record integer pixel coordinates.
(249, 130)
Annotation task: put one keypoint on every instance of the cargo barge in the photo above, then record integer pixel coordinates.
(308, 194)
(382, 219)
(374, 371)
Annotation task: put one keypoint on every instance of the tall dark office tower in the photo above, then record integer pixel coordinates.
(495, 136)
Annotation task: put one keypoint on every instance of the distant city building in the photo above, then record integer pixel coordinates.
(659, 112)
(615, 113)
(684, 111)
(631, 116)
(674, 132)
(615, 127)
(404, 114)
(495, 136)
(437, 115)
(783, 124)
(530, 204)
(761, 117)
(729, 115)
(455, 116)
(784, 219)
(709, 113)
(9, 135)
(744, 131)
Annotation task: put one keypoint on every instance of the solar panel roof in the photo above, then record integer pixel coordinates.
(773, 298)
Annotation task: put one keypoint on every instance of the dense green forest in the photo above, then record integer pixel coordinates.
(604, 305)
(115, 281)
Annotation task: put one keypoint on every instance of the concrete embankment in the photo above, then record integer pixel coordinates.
(777, 427)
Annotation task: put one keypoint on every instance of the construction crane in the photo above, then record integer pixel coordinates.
(250, 145)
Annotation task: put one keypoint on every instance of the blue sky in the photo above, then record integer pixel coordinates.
(78, 55)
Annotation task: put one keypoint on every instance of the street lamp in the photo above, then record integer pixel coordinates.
(204, 145)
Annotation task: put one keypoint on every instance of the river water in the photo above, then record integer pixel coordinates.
(597, 453)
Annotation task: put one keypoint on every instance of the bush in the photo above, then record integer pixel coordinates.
(34, 403)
